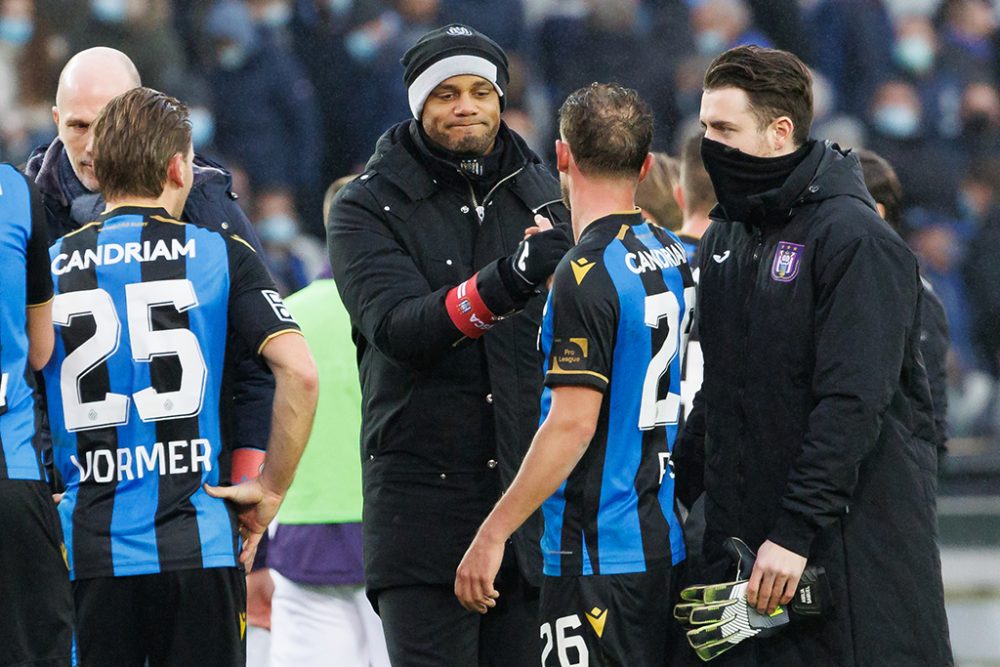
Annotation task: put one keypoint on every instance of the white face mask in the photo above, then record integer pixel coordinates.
(710, 42)
(109, 11)
(897, 120)
(915, 54)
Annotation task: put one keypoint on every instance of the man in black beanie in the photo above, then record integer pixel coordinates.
(445, 292)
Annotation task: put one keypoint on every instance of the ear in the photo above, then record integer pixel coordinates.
(55, 117)
(647, 164)
(781, 132)
(679, 196)
(175, 170)
(563, 156)
(880, 207)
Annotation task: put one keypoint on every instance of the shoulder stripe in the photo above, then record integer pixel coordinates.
(622, 232)
(77, 231)
(237, 237)
(267, 340)
(559, 371)
(172, 221)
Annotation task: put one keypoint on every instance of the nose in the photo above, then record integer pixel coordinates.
(465, 105)
(89, 148)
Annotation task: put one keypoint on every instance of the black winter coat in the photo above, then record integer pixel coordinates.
(819, 431)
(446, 421)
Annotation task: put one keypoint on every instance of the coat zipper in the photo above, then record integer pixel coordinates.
(755, 268)
(481, 208)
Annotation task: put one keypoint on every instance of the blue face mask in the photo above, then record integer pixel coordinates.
(915, 54)
(109, 11)
(276, 15)
(232, 57)
(16, 31)
(710, 42)
(278, 230)
(202, 127)
(339, 7)
(897, 120)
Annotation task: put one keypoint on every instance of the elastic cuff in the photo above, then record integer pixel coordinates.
(497, 294)
(794, 532)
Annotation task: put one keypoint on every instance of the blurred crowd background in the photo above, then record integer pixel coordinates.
(292, 94)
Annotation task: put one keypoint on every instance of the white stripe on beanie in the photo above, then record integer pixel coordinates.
(444, 69)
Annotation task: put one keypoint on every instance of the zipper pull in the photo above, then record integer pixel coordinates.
(481, 212)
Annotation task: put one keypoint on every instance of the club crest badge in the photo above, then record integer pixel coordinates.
(787, 261)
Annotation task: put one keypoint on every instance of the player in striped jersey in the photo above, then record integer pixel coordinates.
(36, 607)
(613, 336)
(147, 310)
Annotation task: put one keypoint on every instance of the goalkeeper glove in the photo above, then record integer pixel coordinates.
(719, 616)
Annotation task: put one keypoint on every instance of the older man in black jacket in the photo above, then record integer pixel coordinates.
(429, 252)
(818, 443)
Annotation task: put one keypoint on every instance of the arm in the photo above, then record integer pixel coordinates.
(41, 335)
(391, 302)
(296, 389)
(861, 335)
(558, 446)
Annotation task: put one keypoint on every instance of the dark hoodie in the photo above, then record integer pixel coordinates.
(818, 431)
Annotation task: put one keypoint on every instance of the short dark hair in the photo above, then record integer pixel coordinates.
(776, 82)
(609, 129)
(135, 135)
(883, 183)
(699, 193)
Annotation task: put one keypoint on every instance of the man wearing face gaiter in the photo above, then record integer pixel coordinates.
(817, 449)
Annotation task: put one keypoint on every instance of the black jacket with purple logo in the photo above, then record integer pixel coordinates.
(819, 432)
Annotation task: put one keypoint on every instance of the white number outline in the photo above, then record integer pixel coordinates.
(147, 344)
(565, 642)
(655, 411)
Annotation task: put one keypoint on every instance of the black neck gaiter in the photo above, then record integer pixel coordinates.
(739, 178)
(483, 171)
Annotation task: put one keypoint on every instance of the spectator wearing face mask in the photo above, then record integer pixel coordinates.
(979, 118)
(968, 33)
(264, 106)
(900, 134)
(916, 55)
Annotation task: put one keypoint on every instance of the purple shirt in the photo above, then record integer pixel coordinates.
(324, 554)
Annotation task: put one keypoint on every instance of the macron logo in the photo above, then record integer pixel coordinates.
(719, 259)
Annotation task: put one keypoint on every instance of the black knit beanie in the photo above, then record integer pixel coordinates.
(452, 51)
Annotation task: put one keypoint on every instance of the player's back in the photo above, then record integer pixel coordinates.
(19, 458)
(626, 290)
(136, 393)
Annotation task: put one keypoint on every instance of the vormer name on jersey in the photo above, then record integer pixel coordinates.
(173, 458)
(113, 253)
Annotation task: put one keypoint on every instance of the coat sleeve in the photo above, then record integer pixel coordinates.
(389, 300)
(866, 304)
(934, 345)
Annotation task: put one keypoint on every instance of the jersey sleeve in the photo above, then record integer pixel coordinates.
(38, 275)
(584, 318)
(256, 310)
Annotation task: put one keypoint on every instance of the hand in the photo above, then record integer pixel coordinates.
(774, 578)
(538, 254)
(475, 575)
(260, 591)
(541, 224)
(256, 507)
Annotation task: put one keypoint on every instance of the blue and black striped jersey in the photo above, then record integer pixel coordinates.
(616, 320)
(146, 310)
(27, 283)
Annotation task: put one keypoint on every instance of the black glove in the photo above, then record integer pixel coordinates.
(719, 616)
(534, 260)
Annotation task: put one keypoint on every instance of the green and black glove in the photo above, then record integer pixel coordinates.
(719, 617)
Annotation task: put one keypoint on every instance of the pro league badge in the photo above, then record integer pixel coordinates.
(787, 261)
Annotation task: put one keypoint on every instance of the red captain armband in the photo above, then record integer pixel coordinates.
(246, 464)
(468, 311)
